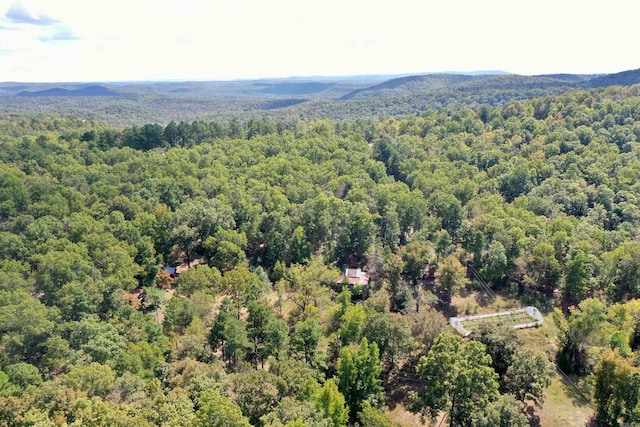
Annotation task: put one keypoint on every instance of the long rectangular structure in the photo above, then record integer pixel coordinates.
(536, 319)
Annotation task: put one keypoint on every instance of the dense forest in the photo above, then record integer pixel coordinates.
(537, 200)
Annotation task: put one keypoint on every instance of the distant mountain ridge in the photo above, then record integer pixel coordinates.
(430, 83)
(94, 90)
(576, 78)
(433, 83)
(294, 88)
(624, 78)
(295, 98)
(412, 84)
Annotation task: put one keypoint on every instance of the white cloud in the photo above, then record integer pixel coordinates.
(18, 14)
(60, 34)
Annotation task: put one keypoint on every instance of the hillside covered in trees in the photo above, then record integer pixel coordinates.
(289, 100)
(539, 197)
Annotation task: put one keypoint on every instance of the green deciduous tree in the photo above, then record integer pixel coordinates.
(501, 343)
(22, 340)
(294, 413)
(242, 285)
(293, 377)
(496, 261)
(417, 256)
(193, 377)
(194, 221)
(390, 227)
(267, 334)
(95, 379)
(351, 324)
(370, 416)
(616, 391)
(215, 410)
(95, 412)
(310, 283)
(57, 268)
(331, 403)
(198, 278)
(459, 380)
(451, 276)
(528, 376)
(358, 228)
(392, 274)
(8, 388)
(226, 248)
(449, 209)
(391, 335)
(24, 374)
(256, 393)
(518, 181)
(300, 247)
(622, 270)
(426, 326)
(179, 314)
(583, 327)
(359, 376)
(546, 268)
(229, 334)
(504, 412)
(580, 268)
(305, 339)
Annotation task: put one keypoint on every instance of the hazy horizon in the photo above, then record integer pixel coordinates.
(276, 78)
(356, 77)
(225, 40)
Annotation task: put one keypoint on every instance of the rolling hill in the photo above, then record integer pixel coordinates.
(291, 99)
(624, 78)
(414, 84)
(94, 90)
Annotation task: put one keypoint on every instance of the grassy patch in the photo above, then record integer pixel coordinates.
(561, 409)
(400, 415)
(543, 338)
(475, 302)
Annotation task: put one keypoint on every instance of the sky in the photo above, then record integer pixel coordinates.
(140, 40)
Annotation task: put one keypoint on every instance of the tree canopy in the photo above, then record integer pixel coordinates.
(158, 273)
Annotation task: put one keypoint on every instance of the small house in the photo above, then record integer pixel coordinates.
(171, 270)
(355, 276)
